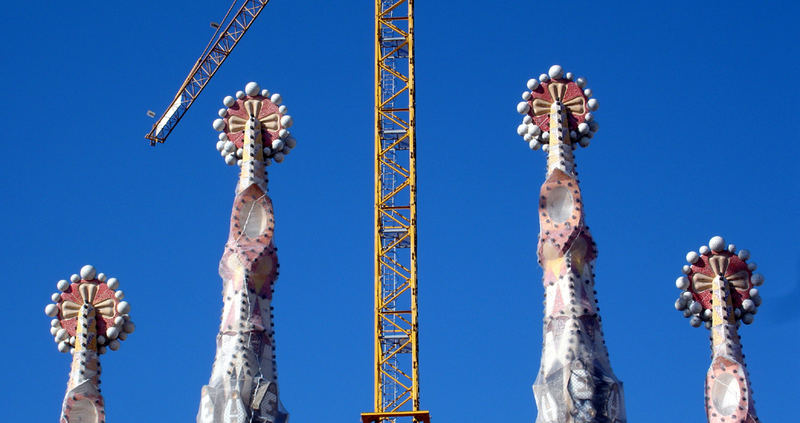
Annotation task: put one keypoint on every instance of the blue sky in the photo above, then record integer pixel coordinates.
(697, 137)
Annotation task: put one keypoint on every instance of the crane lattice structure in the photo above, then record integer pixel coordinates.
(396, 343)
(206, 66)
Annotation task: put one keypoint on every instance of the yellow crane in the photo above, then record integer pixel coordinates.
(396, 342)
(222, 43)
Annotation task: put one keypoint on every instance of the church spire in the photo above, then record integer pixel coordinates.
(244, 382)
(575, 381)
(89, 317)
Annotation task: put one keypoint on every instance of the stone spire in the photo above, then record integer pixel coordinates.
(719, 292)
(575, 382)
(244, 382)
(89, 316)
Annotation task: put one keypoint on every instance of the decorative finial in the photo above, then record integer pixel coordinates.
(557, 87)
(89, 316)
(719, 291)
(256, 115)
(695, 302)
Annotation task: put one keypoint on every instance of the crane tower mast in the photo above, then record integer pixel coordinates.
(396, 329)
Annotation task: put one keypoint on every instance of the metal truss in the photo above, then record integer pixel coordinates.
(396, 343)
(205, 67)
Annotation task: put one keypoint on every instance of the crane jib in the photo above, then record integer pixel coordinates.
(205, 68)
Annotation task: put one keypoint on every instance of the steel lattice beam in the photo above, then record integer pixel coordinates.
(396, 329)
(205, 68)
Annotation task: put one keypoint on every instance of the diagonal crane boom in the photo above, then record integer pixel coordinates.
(205, 67)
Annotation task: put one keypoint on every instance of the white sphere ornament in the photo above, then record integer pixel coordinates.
(123, 307)
(51, 310)
(222, 112)
(278, 157)
(239, 163)
(526, 95)
(544, 77)
(229, 147)
(692, 257)
(252, 88)
(61, 335)
(522, 129)
(101, 339)
(584, 142)
(286, 121)
(695, 307)
(748, 305)
(757, 279)
(277, 145)
(581, 81)
(129, 327)
(588, 117)
(592, 104)
(534, 130)
(534, 144)
(230, 159)
(55, 297)
(114, 345)
(119, 320)
(523, 107)
(545, 147)
(54, 331)
(716, 243)
(587, 92)
(112, 332)
(88, 272)
(74, 278)
(555, 72)
(62, 285)
(695, 321)
(682, 282)
(731, 248)
(228, 101)
(55, 323)
(113, 283)
(291, 142)
(63, 347)
(744, 254)
(569, 76)
(239, 153)
(704, 250)
(264, 93)
(752, 266)
(101, 277)
(546, 136)
(527, 120)
(527, 137)
(222, 136)
(283, 109)
(220, 145)
(532, 84)
(122, 336)
(747, 318)
(283, 133)
(240, 94)
(218, 124)
(583, 127)
(119, 295)
(276, 98)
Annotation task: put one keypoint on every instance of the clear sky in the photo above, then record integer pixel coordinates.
(697, 137)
